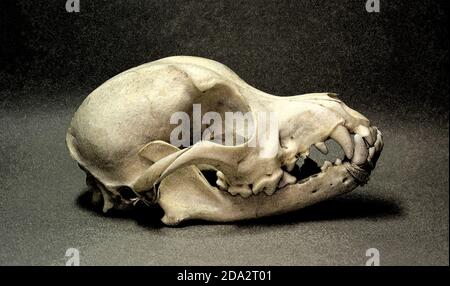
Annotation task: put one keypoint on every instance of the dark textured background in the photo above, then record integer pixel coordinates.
(391, 66)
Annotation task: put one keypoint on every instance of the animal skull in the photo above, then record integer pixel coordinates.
(120, 136)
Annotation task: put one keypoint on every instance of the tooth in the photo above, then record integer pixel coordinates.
(268, 191)
(361, 151)
(287, 179)
(221, 184)
(375, 129)
(267, 183)
(379, 143)
(371, 152)
(338, 162)
(242, 190)
(291, 164)
(322, 147)
(326, 165)
(362, 130)
(342, 136)
(370, 138)
(305, 154)
(373, 134)
(221, 175)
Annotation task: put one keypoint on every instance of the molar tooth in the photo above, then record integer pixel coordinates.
(221, 176)
(369, 140)
(221, 184)
(361, 152)
(338, 162)
(243, 190)
(287, 179)
(341, 135)
(326, 165)
(322, 147)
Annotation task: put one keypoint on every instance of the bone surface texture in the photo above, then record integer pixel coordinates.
(122, 138)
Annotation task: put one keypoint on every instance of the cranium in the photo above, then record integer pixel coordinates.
(120, 136)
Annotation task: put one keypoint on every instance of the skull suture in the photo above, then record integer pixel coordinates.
(120, 136)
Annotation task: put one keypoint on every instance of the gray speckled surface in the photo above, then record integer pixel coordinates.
(403, 211)
(392, 67)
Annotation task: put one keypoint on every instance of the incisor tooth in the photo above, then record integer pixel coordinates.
(341, 135)
(220, 175)
(268, 183)
(371, 152)
(361, 151)
(305, 154)
(362, 130)
(287, 179)
(322, 147)
(379, 143)
(338, 162)
(370, 139)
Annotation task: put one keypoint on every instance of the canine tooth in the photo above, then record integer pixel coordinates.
(342, 136)
(326, 165)
(243, 190)
(322, 147)
(338, 162)
(287, 179)
(361, 152)
(371, 152)
(362, 130)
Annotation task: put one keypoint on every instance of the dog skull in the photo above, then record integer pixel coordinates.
(120, 136)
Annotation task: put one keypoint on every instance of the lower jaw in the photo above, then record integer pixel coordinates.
(206, 203)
